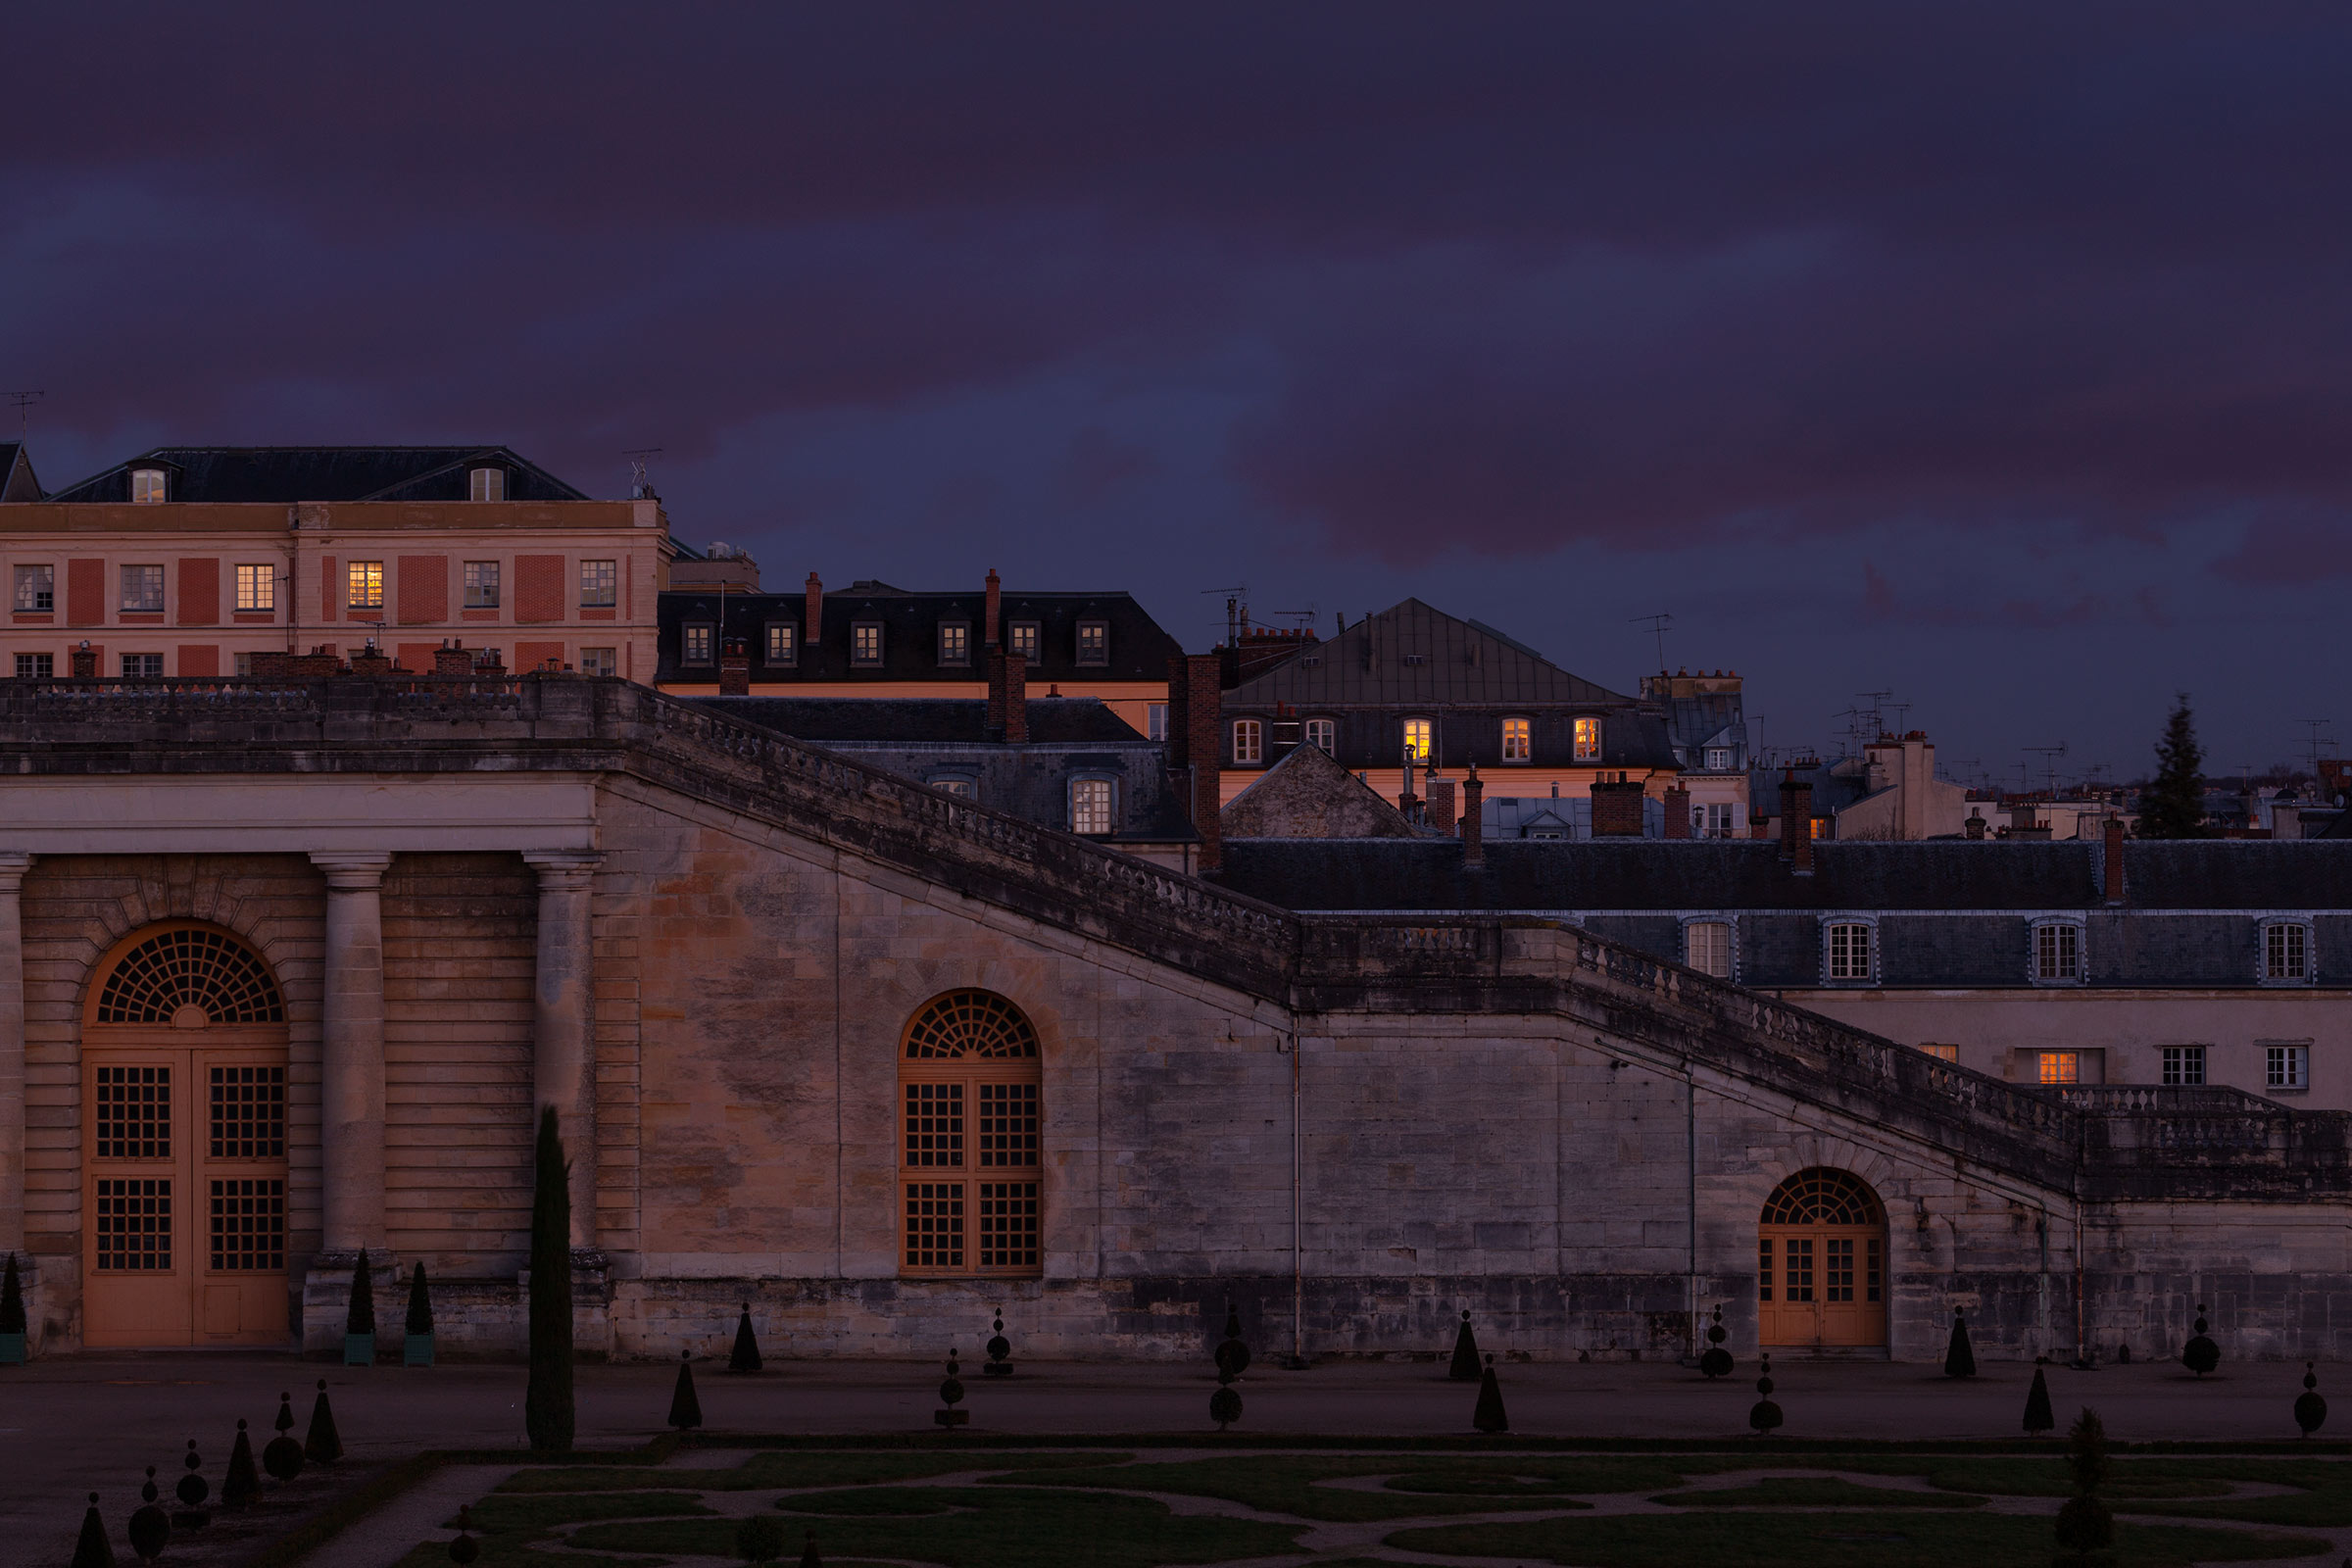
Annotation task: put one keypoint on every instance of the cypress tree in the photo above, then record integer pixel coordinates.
(809, 1556)
(2173, 805)
(241, 1488)
(93, 1549)
(323, 1444)
(361, 1318)
(1488, 1418)
(2085, 1526)
(746, 1357)
(1465, 1352)
(547, 1407)
(420, 1304)
(1959, 1361)
(685, 1410)
(2038, 1416)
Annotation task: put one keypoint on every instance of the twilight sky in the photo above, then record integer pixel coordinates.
(1999, 356)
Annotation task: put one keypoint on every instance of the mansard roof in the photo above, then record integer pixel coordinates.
(1411, 654)
(285, 475)
(16, 482)
(945, 721)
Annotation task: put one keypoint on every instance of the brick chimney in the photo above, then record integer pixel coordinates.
(453, 659)
(371, 662)
(1439, 814)
(734, 668)
(273, 664)
(1204, 717)
(1617, 808)
(1473, 821)
(85, 662)
(1016, 699)
(1796, 823)
(814, 626)
(1973, 828)
(2111, 858)
(996, 693)
(1678, 812)
(996, 607)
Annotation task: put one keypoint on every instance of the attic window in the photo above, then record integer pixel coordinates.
(865, 643)
(147, 487)
(1094, 642)
(1588, 740)
(1021, 639)
(488, 484)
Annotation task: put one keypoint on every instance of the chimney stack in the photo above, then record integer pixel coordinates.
(453, 660)
(814, 626)
(1617, 808)
(1204, 712)
(996, 693)
(1973, 828)
(734, 668)
(1473, 821)
(1796, 823)
(1015, 679)
(2111, 859)
(1678, 812)
(1440, 804)
(996, 606)
(85, 662)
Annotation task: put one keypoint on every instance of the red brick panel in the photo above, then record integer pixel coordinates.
(85, 592)
(423, 589)
(416, 658)
(539, 588)
(530, 655)
(330, 590)
(200, 592)
(198, 659)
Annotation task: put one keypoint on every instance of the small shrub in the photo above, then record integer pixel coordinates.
(1489, 1417)
(1464, 1368)
(685, 1410)
(2038, 1416)
(2311, 1410)
(745, 1357)
(1960, 1359)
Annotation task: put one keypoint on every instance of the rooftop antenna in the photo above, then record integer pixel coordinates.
(641, 487)
(2315, 744)
(1659, 625)
(2049, 755)
(1977, 765)
(1237, 610)
(1877, 701)
(25, 402)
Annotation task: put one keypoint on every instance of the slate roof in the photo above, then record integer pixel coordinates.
(1413, 655)
(16, 482)
(834, 720)
(284, 476)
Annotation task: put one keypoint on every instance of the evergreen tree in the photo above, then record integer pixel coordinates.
(2085, 1526)
(1465, 1352)
(93, 1549)
(281, 1456)
(323, 1444)
(685, 1409)
(547, 1408)
(1960, 1361)
(2173, 805)
(1490, 1416)
(241, 1488)
(746, 1354)
(2200, 1355)
(2311, 1410)
(2038, 1416)
(361, 1318)
(420, 1305)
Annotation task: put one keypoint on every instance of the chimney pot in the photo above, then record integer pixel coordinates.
(1796, 823)
(815, 614)
(1678, 812)
(734, 668)
(996, 601)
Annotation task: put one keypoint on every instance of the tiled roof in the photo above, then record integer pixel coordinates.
(284, 476)
(1411, 654)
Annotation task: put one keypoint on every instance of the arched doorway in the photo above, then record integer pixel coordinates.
(1820, 1262)
(969, 1095)
(183, 1053)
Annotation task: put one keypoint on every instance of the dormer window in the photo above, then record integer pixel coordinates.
(488, 484)
(1518, 741)
(1588, 740)
(1417, 747)
(865, 643)
(1719, 759)
(2286, 954)
(147, 487)
(1021, 638)
(955, 641)
(1094, 642)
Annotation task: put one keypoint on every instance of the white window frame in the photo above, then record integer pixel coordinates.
(1098, 655)
(963, 786)
(2188, 1066)
(1730, 926)
(36, 589)
(1025, 638)
(149, 487)
(1525, 736)
(2287, 1066)
(482, 584)
(1249, 741)
(1102, 790)
(2302, 937)
(368, 573)
(256, 588)
(783, 644)
(600, 583)
(1587, 739)
(955, 644)
(1719, 759)
(707, 634)
(1830, 925)
(2062, 931)
(151, 667)
(2042, 1078)
(1323, 734)
(486, 484)
(1156, 721)
(30, 667)
(142, 608)
(1407, 751)
(600, 660)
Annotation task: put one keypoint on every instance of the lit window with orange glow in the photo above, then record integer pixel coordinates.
(1588, 740)
(1418, 740)
(2062, 1066)
(1518, 741)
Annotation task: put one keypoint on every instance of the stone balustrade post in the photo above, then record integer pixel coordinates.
(563, 1021)
(351, 1068)
(11, 1051)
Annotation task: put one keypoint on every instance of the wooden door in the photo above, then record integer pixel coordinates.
(1821, 1263)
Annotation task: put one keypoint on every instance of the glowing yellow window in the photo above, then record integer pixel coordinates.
(1940, 1052)
(2062, 1066)
(1588, 740)
(367, 578)
(1518, 741)
(1416, 740)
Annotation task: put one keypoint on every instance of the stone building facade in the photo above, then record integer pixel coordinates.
(882, 1061)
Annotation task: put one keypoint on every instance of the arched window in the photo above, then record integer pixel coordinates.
(1821, 1261)
(185, 967)
(969, 1166)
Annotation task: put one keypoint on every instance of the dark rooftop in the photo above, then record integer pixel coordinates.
(833, 720)
(285, 475)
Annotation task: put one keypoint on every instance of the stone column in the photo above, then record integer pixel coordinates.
(351, 1066)
(12, 1053)
(563, 1021)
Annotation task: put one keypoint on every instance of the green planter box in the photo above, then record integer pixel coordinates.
(416, 1351)
(359, 1349)
(12, 1349)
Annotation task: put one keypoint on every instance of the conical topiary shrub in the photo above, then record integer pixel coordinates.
(150, 1528)
(1464, 1368)
(685, 1410)
(2311, 1410)
(416, 1348)
(745, 1357)
(241, 1487)
(281, 1456)
(1488, 1418)
(2038, 1416)
(323, 1444)
(1764, 1417)
(1960, 1359)
(1715, 1361)
(760, 1539)
(809, 1556)
(359, 1322)
(950, 1395)
(547, 1402)
(2200, 1355)
(2085, 1526)
(12, 1315)
(92, 1549)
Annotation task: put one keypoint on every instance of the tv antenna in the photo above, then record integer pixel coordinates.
(2315, 744)
(641, 485)
(1877, 700)
(1237, 610)
(1659, 625)
(2049, 763)
(25, 402)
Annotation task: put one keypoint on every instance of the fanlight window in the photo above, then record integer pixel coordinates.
(968, 1156)
(969, 1024)
(1820, 1196)
(190, 966)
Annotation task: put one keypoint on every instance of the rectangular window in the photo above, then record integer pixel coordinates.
(1764, 1270)
(1008, 1124)
(1418, 740)
(1022, 638)
(599, 585)
(1870, 1270)
(1094, 642)
(957, 785)
(2057, 951)
(1707, 948)
(1798, 1285)
(257, 588)
(143, 667)
(2184, 1066)
(934, 1125)
(1838, 1268)
(36, 666)
(2287, 1066)
(37, 588)
(694, 647)
(1156, 720)
(134, 1113)
(1941, 1052)
(1249, 741)
(1719, 759)
(244, 666)
(1588, 740)
(488, 484)
(955, 641)
(1518, 741)
(481, 585)
(1008, 1225)
(1323, 735)
(600, 660)
(134, 1226)
(2061, 1067)
(1849, 952)
(142, 589)
(935, 1225)
(147, 487)
(783, 642)
(866, 643)
(2285, 953)
(249, 1114)
(366, 585)
(248, 1225)
(1090, 805)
